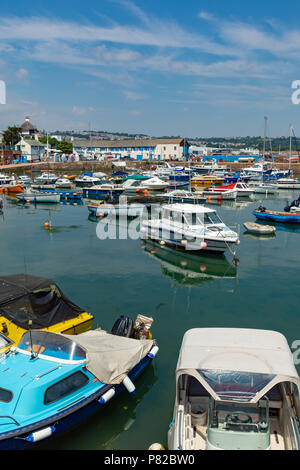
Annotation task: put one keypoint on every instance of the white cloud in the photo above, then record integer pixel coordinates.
(22, 73)
(133, 95)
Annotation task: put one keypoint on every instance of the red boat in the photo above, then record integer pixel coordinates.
(241, 188)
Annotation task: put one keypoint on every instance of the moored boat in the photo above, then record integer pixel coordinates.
(214, 193)
(277, 216)
(259, 229)
(236, 389)
(63, 379)
(117, 210)
(38, 196)
(25, 298)
(184, 196)
(191, 227)
(241, 188)
(206, 181)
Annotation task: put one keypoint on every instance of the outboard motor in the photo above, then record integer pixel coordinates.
(123, 327)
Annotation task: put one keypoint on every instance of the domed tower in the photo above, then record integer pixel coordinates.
(28, 129)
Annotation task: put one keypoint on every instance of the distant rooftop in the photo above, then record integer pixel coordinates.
(27, 126)
(127, 142)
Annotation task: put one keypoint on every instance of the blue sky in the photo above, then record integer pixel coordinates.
(168, 67)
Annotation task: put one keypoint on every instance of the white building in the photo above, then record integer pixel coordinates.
(31, 150)
(137, 149)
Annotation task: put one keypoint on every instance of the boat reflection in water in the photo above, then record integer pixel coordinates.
(190, 269)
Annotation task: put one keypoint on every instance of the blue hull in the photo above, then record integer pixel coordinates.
(283, 219)
(66, 423)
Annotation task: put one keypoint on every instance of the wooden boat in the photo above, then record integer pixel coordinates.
(24, 297)
(259, 229)
(52, 382)
(236, 389)
(276, 216)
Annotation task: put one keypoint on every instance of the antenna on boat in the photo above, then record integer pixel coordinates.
(30, 335)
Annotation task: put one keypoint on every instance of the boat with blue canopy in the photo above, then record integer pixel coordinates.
(51, 382)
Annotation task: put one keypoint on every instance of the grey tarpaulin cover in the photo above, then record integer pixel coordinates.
(109, 357)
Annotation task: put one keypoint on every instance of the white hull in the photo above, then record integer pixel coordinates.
(54, 198)
(121, 210)
(159, 232)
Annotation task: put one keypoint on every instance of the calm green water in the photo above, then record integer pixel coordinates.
(113, 277)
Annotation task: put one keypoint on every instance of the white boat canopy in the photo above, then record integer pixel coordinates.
(236, 351)
(109, 357)
(187, 208)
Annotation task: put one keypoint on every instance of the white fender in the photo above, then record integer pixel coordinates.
(41, 434)
(107, 396)
(129, 385)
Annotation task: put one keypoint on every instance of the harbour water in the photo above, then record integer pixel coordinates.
(109, 278)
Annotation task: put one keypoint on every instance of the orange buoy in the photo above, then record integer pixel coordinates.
(46, 224)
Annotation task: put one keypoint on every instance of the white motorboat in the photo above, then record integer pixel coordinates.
(5, 179)
(24, 179)
(154, 184)
(190, 226)
(288, 183)
(45, 178)
(85, 180)
(179, 195)
(117, 210)
(38, 196)
(236, 389)
(243, 190)
(259, 228)
(229, 195)
(262, 188)
(257, 171)
(63, 183)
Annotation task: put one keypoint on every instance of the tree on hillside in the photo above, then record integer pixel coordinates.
(65, 147)
(11, 136)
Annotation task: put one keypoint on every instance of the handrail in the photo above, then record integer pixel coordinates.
(179, 429)
(37, 377)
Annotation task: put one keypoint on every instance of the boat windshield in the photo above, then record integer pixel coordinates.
(44, 343)
(239, 418)
(235, 385)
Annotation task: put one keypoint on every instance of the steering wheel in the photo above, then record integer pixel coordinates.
(239, 417)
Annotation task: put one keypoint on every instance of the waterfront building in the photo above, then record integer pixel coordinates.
(136, 149)
(31, 150)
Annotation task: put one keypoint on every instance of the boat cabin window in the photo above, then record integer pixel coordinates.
(230, 385)
(5, 395)
(211, 218)
(44, 343)
(65, 387)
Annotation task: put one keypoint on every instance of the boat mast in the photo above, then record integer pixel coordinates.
(264, 149)
(290, 162)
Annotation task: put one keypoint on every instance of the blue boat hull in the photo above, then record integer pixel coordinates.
(64, 424)
(284, 219)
